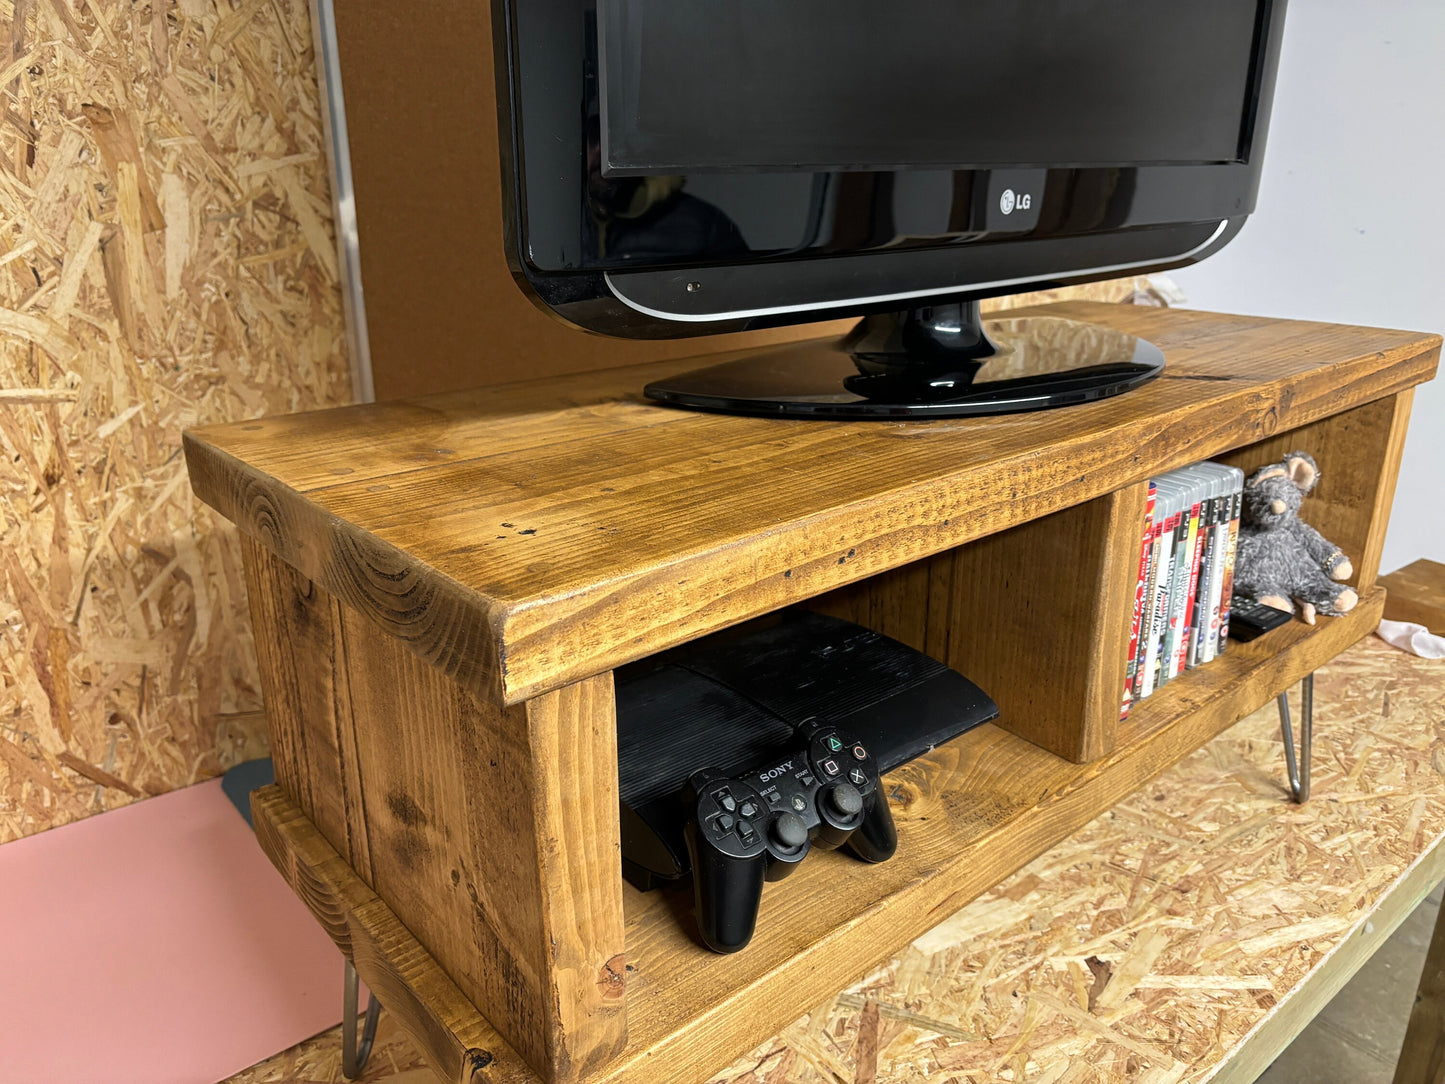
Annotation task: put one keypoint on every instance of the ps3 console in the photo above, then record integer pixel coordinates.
(740, 703)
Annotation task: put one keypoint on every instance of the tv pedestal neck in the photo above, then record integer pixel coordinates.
(937, 361)
(441, 588)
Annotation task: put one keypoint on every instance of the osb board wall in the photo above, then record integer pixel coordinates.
(1142, 948)
(165, 260)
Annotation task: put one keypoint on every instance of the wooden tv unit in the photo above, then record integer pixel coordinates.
(442, 586)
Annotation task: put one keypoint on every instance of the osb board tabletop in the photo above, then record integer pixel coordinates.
(1148, 946)
(528, 535)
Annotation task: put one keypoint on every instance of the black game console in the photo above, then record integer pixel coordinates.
(741, 703)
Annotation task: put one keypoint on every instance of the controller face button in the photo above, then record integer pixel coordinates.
(845, 801)
(833, 744)
(829, 766)
(748, 809)
(859, 753)
(857, 776)
(789, 832)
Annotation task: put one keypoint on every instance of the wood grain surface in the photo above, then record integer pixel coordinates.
(1417, 594)
(491, 832)
(523, 537)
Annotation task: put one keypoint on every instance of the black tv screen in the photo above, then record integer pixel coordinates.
(691, 87)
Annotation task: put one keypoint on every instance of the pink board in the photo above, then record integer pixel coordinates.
(155, 944)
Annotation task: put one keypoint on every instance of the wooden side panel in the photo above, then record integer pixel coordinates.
(1359, 456)
(458, 1042)
(491, 832)
(308, 701)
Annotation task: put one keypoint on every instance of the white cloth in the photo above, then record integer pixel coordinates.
(1416, 639)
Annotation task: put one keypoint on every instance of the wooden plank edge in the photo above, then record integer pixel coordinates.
(455, 1038)
(442, 622)
(1302, 1003)
(729, 1028)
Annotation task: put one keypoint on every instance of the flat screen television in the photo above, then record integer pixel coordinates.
(674, 167)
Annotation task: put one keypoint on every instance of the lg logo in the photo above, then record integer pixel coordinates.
(1008, 201)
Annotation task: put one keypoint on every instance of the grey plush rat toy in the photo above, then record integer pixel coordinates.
(1281, 559)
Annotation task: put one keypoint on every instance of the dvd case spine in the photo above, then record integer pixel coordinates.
(1236, 500)
(1184, 540)
(1217, 596)
(1151, 579)
(1160, 604)
(1199, 613)
(1132, 664)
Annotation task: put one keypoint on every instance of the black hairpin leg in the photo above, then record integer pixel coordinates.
(1299, 770)
(354, 1054)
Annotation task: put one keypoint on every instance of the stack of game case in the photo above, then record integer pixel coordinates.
(1186, 572)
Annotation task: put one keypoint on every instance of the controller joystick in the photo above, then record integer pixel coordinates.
(760, 825)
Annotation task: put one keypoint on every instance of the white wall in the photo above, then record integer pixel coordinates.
(1351, 214)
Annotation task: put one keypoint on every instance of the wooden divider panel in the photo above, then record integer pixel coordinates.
(1037, 615)
(491, 832)
(1040, 619)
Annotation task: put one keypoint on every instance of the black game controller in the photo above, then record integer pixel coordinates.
(759, 825)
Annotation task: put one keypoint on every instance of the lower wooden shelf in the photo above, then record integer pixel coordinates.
(968, 814)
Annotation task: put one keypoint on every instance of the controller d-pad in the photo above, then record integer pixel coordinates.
(726, 800)
(724, 823)
(748, 809)
(746, 833)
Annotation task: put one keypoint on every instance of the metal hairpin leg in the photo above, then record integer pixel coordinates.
(1299, 771)
(354, 1054)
